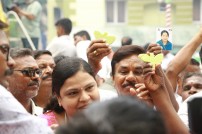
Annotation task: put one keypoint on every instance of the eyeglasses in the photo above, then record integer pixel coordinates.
(5, 49)
(30, 72)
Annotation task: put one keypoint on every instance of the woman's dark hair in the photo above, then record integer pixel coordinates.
(124, 52)
(164, 31)
(58, 58)
(65, 69)
(53, 106)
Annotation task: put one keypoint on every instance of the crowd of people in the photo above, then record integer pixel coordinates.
(59, 90)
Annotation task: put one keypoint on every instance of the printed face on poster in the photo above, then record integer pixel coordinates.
(164, 38)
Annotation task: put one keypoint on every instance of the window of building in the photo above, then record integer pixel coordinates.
(197, 10)
(57, 13)
(116, 11)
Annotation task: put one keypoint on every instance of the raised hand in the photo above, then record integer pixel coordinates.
(154, 48)
(154, 79)
(97, 50)
(155, 83)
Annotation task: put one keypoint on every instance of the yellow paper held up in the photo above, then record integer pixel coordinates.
(109, 38)
(151, 58)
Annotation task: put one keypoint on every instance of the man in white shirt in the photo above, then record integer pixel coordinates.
(192, 86)
(81, 36)
(183, 111)
(14, 119)
(62, 44)
(168, 57)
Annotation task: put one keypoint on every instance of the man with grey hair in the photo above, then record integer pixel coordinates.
(14, 119)
(25, 80)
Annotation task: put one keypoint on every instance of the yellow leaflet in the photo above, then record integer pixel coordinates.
(109, 38)
(2, 14)
(151, 58)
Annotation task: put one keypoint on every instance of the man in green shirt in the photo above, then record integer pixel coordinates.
(30, 17)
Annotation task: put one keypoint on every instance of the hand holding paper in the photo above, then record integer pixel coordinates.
(151, 58)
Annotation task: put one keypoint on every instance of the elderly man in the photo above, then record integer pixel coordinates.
(46, 63)
(14, 119)
(25, 80)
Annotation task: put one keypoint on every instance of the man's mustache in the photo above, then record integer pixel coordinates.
(132, 84)
(34, 83)
(8, 72)
(46, 77)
